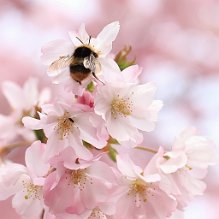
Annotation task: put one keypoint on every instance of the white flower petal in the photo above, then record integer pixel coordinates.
(60, 76)
(73, 36)
(45, 96)
(175, 161)
(120, 129)
(80, 150)
(8, 129)
(26, 134)
(27, 207)
(142, 124)
(179, 142)
(54, 146)
(10, 179)
(110, 71)
(83, 35)
(125, 166)
(104, 40)
(153, 109)
(131, 74)
(201, 152)
(31, 123)
(150, 178)
(80, 38)
(88, 132)
(101, 171)
(53, 50)
(31, 93)
(193, 185)
(14, 95)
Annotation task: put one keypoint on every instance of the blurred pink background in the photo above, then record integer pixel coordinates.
(176, 42)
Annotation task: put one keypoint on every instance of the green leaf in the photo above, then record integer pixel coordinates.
(90, 87)
(87, 145)
(40, 135)
(112, 153)
(112, 141)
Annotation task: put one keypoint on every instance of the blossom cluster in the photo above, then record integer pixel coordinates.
(81, 161)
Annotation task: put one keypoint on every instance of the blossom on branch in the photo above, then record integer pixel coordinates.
(24, 101)
(84, 164)
(127, 108)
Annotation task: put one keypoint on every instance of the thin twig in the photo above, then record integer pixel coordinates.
(146, 149)
(42, 214)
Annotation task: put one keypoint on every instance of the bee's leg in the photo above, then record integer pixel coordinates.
(96, 77)
(89, 40)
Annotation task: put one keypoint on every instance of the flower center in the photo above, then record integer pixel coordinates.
(141, 191)
(78, 178)
(97, 214)
(31, 191)
(64, 126)
(121, 106)
(138, 188)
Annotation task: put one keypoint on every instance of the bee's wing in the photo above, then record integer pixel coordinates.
(62, 62)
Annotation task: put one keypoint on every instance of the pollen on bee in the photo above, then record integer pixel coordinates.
(121, 106)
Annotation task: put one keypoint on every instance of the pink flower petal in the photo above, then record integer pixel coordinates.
(31, 123)
(34, 154)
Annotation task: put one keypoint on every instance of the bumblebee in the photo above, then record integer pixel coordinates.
(81, 63)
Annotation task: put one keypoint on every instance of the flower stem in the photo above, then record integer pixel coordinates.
(4, 150)
(42, 214)
(146, 149)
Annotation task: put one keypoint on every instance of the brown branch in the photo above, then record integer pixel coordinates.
(146, 149)
(42, 214)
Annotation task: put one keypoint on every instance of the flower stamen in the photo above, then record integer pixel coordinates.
(138, 189)
(64, 126)
(141, 191)
(96, 214)
(31, 191)
(121, 106)
(78, 178)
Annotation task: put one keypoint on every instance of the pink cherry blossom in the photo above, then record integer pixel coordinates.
(83, 186)
(25, 183)
(66, 125)
(127, 108)
(189, 150)
(23, 101)
(92, 166)
(95, 213)
(185, 166)
(86, 99)
(140, 192)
